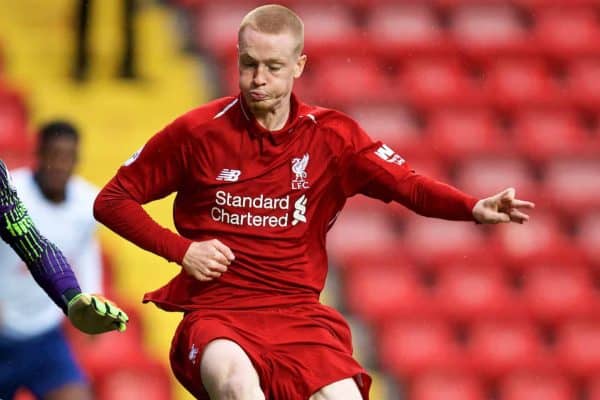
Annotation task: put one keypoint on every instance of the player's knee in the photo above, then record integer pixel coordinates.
(238, 387)
(228, 374)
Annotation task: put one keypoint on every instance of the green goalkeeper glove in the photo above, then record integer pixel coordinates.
(94, 314)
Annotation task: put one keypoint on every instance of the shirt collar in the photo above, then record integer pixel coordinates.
(298, 112)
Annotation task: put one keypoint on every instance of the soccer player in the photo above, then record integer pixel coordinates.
(260, 178)
(33, 351)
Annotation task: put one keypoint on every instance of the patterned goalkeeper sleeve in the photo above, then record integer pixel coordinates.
(45, 261)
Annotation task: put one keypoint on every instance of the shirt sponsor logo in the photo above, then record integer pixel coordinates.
(389, 155)
(300, 210)
(299, 169)
(242, 210)
(229, 175)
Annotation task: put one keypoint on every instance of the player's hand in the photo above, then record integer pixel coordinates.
(92, 313)
(207, 260)
(502, 207)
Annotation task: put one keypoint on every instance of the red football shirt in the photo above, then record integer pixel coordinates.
(271, 196)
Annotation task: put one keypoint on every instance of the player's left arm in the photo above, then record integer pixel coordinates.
(376, 170)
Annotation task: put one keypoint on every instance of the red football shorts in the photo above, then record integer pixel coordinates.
(296, 350)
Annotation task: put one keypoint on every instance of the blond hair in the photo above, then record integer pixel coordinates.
(275, 19)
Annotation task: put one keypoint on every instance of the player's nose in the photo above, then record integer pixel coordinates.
(259, 76)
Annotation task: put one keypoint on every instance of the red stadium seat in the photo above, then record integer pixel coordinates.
(436, 82)
(546, 134)
(343, 82)
(578, 347)
(410, 347)
(568, 31)
(13, 120)
(489, 30)
(458, 133)
(483, 177)
(447, 386)
(583, 82)
(467, 291)
(362, 234)
(536, 386)
(217, 23)
(329, 29)
(381, 291)
(497, 347)
(435, 241)
(395, 126)
(573, 185)
(514, 83)
(554, 292)
(539, 240)
(17, 157)
(149, 381)
(398, 30)
(588, 237)
(97, 353)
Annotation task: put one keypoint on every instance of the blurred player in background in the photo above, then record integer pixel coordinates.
(33, 351)
(260, 178)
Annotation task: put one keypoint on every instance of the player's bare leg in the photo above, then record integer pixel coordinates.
(345, 389)
(227, 372)
(75, 391)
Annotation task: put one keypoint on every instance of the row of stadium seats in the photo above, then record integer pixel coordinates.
(456, 133)
(490, 348)
(464, 291)
(520, 385)
(480, 29)
(358, 237)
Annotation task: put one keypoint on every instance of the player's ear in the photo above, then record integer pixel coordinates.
(299, 67)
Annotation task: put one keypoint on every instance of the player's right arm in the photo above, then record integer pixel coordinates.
(155, 171)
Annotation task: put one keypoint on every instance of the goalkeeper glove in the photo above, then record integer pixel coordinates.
(94, 314)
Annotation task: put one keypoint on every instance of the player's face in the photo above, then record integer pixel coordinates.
(268, 65)
(57, 159)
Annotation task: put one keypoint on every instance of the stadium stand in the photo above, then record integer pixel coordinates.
(483, 94)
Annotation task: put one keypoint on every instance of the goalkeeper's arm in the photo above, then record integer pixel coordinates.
(49, 267)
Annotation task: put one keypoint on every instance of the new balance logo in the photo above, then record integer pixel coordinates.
(229, 175)
(389, 155)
